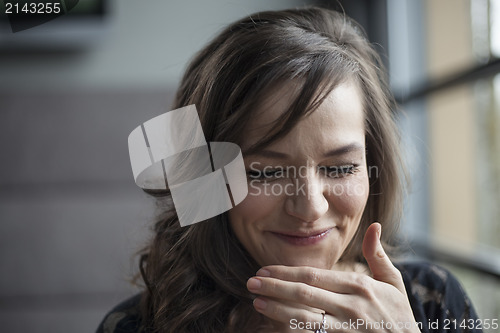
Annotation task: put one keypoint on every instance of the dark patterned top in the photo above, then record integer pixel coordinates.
(438, 301)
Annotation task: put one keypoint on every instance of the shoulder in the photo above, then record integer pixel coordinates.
(429, 282)
(421, 273)
(435, 294)
(123, 318)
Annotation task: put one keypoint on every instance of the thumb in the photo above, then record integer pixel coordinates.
(381, 266)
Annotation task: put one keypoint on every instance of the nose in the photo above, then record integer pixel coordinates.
(308, 202)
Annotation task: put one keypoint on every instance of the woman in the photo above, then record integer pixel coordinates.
(303, 94)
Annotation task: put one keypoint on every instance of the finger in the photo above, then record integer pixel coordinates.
(378, 261)
(296, 292)
(335, 281)
(291, 315)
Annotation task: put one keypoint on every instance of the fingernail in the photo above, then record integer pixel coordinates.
(263, 272)
(259, 303)
(378, 232)
(380, 251)
(254, 283)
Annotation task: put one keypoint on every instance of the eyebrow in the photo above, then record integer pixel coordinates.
(334, 152)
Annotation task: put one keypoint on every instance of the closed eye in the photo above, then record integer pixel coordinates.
(338, 171)
(266, 175)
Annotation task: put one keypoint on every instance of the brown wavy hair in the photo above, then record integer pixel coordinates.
(195, 276)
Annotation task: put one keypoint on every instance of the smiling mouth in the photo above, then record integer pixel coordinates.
(303, 239)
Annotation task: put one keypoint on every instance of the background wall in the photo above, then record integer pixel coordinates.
(71, 217)
(141, 45)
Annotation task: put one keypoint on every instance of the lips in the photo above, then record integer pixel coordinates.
(303, 238)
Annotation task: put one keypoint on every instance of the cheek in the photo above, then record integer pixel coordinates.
(253, 212)
(350, 196)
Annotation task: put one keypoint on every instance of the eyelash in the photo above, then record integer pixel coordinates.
(340, 171)
(268, 175)
(331, 172)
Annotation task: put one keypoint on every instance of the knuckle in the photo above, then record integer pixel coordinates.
(395, 276)
(364, 285)
(272, 285)
(276, 270)
(398, 275)
(275, 309)
(304, 293)
(313, 276)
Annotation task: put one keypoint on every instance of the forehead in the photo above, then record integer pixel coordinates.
(339, 116)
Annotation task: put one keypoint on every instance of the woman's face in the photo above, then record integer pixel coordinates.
(308, 190)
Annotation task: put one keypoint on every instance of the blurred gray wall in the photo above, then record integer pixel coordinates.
(71, 217)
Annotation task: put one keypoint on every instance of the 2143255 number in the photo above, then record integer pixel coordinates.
(33, 8)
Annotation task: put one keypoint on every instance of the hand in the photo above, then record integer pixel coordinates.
(353, 302)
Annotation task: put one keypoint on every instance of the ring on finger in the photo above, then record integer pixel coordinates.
(323, 324)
